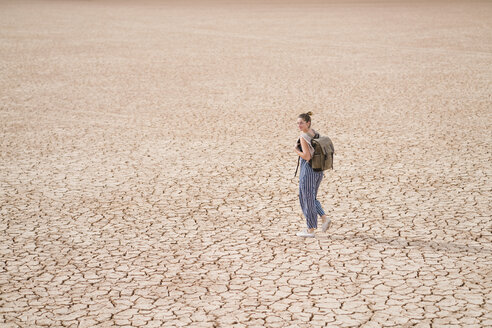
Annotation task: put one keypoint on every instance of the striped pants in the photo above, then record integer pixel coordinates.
(309, 182)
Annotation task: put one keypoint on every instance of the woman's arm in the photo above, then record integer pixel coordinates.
(305, 154)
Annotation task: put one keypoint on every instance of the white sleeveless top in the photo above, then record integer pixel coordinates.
(308, 138)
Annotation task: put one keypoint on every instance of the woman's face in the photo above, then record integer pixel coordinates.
(303, 125)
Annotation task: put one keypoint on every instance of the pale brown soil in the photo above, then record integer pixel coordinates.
(146, 169)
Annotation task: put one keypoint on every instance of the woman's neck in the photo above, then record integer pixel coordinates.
(309, 131)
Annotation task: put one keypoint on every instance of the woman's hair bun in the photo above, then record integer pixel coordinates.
(310, 113)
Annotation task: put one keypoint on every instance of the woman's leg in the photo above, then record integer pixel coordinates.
(307, 195)
(319, 208)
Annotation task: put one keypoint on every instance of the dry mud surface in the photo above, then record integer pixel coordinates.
(147, 164)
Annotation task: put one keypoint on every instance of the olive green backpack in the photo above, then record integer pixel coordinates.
(322, 158)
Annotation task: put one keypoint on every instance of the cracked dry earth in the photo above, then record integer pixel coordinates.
(147, 164)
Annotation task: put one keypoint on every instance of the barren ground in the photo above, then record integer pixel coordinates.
(146, 164)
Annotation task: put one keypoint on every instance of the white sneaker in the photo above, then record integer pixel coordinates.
(326, 225)
(305, 234)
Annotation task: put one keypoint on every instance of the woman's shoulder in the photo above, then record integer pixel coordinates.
(309, 135)
(306, 137)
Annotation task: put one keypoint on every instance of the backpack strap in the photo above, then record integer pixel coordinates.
(316, 136)
(298, 161)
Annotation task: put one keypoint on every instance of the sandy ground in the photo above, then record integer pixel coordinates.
(147, 164)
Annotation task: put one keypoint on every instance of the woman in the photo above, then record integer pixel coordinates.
(309, 180)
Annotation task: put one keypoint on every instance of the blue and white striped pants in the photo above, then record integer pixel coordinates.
(309, 182)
